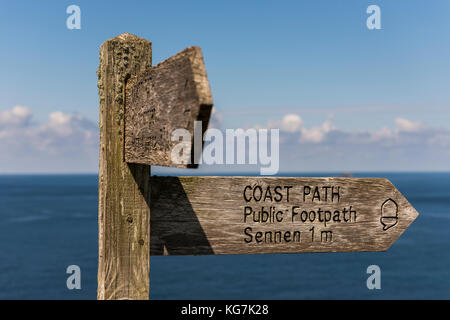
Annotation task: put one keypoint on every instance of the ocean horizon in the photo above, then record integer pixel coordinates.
(49, 221)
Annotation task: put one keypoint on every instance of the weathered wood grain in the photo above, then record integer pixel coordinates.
(205, 215)
(124, 189)
(171, 95)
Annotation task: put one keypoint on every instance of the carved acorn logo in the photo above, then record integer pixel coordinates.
(389, 214)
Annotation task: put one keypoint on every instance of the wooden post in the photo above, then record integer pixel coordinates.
(124, 189)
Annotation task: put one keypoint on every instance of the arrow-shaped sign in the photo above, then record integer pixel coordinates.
(169, 96)
(247, 215)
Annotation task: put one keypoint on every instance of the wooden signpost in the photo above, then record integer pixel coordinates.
(140, 215)
(246, 215)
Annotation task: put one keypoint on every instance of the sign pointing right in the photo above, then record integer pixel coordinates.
(247, 215)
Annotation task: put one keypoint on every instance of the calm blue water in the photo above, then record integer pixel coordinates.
(50, 222)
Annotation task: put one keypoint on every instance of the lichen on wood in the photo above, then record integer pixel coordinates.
(124, 189)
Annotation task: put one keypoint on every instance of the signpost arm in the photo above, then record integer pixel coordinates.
(124, 189)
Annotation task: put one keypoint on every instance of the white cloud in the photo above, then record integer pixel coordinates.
(406, 125)
(292, 123)
(289, 123)
(405, 131)
(18, 116)
(381, 134)
(66, 142)
(317, 134)
(410, 145)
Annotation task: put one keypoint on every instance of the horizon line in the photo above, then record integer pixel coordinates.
(236, 173)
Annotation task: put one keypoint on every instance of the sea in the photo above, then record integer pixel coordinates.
(49, 222)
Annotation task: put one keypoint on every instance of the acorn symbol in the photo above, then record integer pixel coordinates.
(389, 214)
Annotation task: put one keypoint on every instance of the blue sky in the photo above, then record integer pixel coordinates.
(265, 60)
